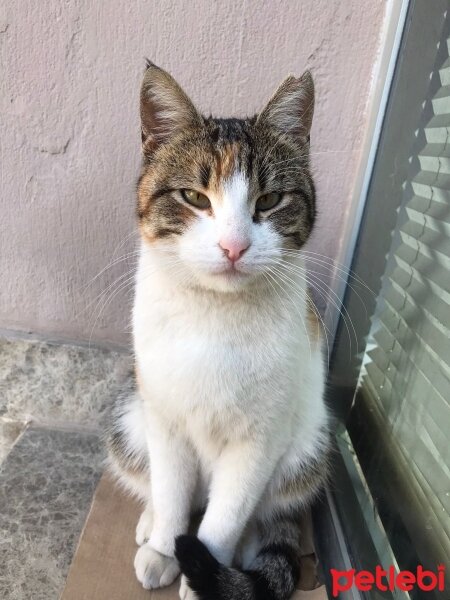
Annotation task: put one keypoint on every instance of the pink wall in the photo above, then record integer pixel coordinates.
(69, 129)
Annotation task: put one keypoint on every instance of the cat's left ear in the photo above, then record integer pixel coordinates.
(291, 108)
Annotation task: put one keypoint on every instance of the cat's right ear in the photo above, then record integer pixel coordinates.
(290, 110)
(165, 108)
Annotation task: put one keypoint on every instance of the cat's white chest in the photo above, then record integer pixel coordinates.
(190, 361)
(217, 369)
(214, 364)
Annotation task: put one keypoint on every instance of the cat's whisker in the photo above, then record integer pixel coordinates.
(270, 274)
(318, 283)
(135, 254)
(303, 156)
(334, 275)
(344, 278)
(292, 283)
(328, 152)
(291, 170)
(107, 299)
(310, 256)
(273, 165)
(105, 290)
(115, 262)
(306, 253)
(299, 272)
(131, 272)
(291, 289)
(331, 297)
(124, 240)
(299, 168)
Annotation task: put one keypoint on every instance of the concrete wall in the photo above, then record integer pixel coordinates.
(70, 137)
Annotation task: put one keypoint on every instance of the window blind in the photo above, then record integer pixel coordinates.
(406, 367)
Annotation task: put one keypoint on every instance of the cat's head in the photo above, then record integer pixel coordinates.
(225, 197)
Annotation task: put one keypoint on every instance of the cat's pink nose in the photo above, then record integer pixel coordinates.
(233, 250)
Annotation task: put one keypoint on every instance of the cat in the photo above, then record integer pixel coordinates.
(227, 415)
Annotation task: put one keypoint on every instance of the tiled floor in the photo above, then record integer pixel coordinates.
(53, 402)
(46, 486)
(10, 431)
(55, 384)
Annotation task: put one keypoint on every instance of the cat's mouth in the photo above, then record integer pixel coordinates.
(230, 271)
(225, 277)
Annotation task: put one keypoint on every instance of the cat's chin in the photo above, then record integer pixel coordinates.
(227, 281)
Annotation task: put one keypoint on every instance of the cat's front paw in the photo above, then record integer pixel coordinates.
(185, 591)
(144, 527)
(154, 570)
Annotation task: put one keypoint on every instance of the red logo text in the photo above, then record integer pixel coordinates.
(388, 580)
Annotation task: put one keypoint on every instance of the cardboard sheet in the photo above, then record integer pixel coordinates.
(102, 568)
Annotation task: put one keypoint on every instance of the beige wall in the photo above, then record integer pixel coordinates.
(70, 135)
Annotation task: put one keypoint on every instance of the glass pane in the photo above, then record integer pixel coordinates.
(405, 376)
(393, 393)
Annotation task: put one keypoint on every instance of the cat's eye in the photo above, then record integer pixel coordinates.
(196, 199)
(268, 201)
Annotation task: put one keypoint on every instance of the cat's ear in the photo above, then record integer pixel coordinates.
(291, 108)
(165, 108)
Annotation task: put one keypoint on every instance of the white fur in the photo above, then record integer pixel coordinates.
(154, 570)
(185, 592)
(202, 258)
(231, 386)
(144, 527)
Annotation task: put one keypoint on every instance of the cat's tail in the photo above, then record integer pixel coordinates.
(273, 575)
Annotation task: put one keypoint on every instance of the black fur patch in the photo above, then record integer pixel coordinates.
(199, 565)
(205, 174)
(261, 586)
(275, 573)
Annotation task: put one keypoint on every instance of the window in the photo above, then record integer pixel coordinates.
(390, 385)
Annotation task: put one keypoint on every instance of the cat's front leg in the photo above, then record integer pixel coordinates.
(173, 480)
(240, 476)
